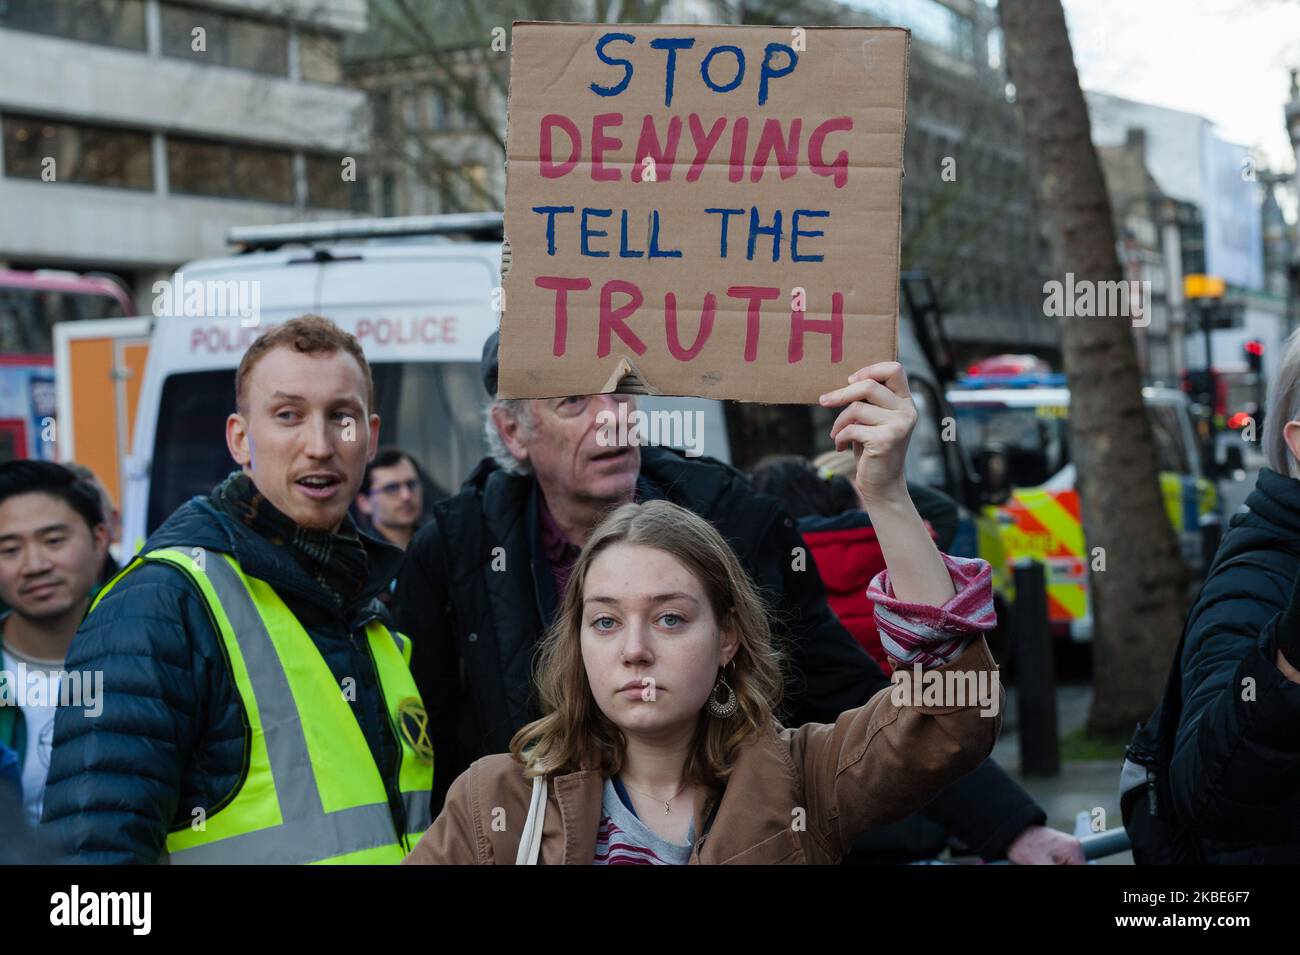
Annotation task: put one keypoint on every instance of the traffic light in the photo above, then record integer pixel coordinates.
(1199, 385)
(1255, 354)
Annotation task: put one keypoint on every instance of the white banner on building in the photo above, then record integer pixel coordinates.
(1233, 236)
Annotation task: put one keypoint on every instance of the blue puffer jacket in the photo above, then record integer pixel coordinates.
(1236, 769)
(173, 736)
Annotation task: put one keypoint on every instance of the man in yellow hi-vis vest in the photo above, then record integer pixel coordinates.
(256, 708)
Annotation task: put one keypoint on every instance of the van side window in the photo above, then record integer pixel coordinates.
(926, 462)
(1171, 450)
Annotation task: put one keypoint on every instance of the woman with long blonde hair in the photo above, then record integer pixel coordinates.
(659, 681)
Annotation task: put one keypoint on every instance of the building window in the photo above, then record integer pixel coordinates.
(388, 199)
(199, 167)
(220, 39)
(474, 184)
(327, 189)
(90, 155)
(438, 116)
(929, 20)
(382, 113)
(467, 101)
(257, 46)
(109, 22)
(439, 197)
(994, 49)
(319, 57)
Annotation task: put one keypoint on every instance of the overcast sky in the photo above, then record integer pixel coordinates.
(1227, 60)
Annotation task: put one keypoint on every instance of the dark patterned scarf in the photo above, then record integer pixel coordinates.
(337, 561)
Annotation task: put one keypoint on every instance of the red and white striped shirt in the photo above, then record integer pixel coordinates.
(623, 839)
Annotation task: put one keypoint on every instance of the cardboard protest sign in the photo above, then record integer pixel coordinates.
(701, 210)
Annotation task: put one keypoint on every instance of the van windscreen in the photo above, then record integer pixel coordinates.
(434, 412)
(1035, 441)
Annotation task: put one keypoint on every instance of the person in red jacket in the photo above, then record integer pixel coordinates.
(847, 556)
(839, 535)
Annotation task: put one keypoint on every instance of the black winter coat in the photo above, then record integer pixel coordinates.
(1236, 766)
(173, 736)
(475, 596)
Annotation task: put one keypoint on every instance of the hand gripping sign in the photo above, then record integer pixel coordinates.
(701, 210)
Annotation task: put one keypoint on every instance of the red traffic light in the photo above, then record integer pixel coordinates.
(1255, 348)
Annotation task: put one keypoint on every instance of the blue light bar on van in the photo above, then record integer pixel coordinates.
(1052, 380)
(485, 226)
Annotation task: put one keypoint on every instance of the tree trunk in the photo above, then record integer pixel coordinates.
(1138, 599)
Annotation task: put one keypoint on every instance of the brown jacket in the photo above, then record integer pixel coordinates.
(799, 796)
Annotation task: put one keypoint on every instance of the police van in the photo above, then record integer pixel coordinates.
(1016, 431)
(417, 292)
(151, 395)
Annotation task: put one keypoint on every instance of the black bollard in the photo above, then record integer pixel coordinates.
(1211, 535)
(1040, 749)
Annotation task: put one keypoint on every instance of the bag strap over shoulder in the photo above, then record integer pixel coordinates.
(530, 843)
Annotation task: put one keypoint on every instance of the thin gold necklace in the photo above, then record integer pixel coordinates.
(667, 808)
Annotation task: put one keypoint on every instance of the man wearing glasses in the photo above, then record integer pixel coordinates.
(391, 496)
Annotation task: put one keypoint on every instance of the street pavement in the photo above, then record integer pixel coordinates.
(1082, 786)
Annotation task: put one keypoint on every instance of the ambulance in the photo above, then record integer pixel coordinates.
(1015, 430)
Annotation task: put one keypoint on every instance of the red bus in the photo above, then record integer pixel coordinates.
(31, 302)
